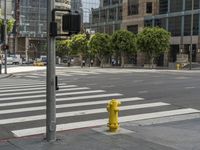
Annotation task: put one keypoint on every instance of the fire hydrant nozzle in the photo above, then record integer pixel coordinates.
(113, 110)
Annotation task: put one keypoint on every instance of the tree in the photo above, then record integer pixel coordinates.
(101, 46)
(78, 45)
(123, 42)
(62, 48)
(10, 24)
(153, 41)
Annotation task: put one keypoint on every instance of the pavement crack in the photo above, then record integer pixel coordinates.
(20, 148)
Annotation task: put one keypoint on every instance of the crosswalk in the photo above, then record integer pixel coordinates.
(71, 71)
(22, 107)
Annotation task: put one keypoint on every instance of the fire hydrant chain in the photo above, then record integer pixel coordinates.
(113, 110)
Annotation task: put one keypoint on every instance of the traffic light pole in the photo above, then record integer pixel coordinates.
(5, 36)
(50, 95)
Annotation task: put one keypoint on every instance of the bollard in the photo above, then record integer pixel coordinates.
(113, 111)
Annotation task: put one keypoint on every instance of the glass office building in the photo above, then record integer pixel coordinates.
(33, 16)
(108, 17)
(175, 16)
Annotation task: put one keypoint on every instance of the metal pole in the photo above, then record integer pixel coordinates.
(191, 34)
(5, 35)
(50, 97)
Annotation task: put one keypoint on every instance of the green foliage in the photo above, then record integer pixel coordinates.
(153, 41)
(100, 45)
(10, 24)
(78, 44)
(62, 48)
(123, 41)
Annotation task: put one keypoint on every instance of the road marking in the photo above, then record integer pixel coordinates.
(21, 84)
(190, 87)
(60, 99)
(41, 91)
(143, 92)
(58, 94)
(25, 91)
(100, 122)
(27, 86)
(66, 105)
(81, 112)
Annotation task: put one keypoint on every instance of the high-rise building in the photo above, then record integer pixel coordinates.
(172, 15)
(31, 20)
(108, 16)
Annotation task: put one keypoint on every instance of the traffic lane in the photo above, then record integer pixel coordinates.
(178, 89)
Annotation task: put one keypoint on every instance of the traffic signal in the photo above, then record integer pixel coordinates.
(71, 22)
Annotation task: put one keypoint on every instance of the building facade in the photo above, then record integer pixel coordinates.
(172, 15)
(31, 25)
(108, 17)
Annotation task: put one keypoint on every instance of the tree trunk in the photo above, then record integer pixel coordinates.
(102, 63)
(81, 57)
(122, 59)
(152, 61)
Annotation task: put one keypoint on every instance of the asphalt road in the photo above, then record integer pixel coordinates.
(168, 90)
(178, 88)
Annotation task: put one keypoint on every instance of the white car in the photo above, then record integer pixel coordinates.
(9, 61)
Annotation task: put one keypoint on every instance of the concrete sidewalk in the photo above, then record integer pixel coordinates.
(179, 135)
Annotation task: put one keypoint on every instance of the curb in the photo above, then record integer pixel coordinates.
(7, 76)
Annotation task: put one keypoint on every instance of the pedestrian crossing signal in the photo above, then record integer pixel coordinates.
(71, 23)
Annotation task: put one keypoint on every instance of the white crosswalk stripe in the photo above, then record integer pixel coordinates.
(99, 122)
(77, 71)
(22, 102)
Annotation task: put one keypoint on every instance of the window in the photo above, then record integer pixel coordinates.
(176, 5)
(148, 23)
(188, 4)
(187, 25)
(133, 7)
(175, 26)
(149, 8)
(163, 6)
(133, 29)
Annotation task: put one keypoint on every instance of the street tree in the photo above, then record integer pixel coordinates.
(62, 48)
(100, 45)
(10, 24)
(123, 42)
(153, 41)
(79, 45)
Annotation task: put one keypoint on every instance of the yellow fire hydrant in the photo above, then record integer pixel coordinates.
(113, 111)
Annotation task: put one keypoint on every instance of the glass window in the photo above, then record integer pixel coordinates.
(188, 4)
(176, 5)
(163, 6)
(160, 23)
(187, 25)
(133, 7)
(148, 23)
(149, 7)
(175, 26)
(133, 28)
